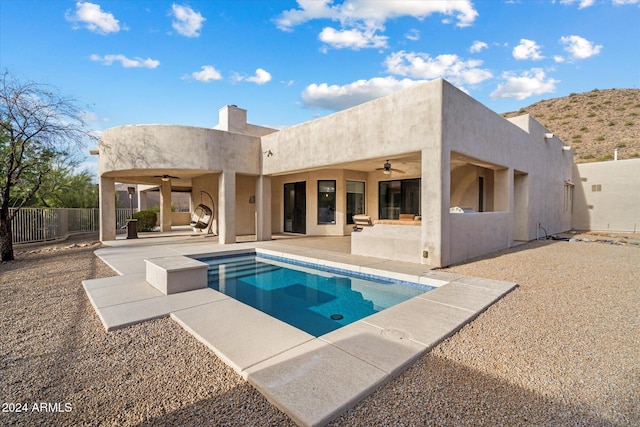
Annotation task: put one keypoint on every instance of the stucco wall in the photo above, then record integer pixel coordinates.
(519, 146)
(477, 234)
(464, 187)
(404, 122)
(473, 129)
(396, 242)
(163, 147)
(245, 205)
(245, 217)
(607, 196)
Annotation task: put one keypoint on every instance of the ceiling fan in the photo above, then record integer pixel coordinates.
(165, 178)
(387, 169)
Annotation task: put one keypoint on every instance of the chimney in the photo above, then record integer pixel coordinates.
(232, 119)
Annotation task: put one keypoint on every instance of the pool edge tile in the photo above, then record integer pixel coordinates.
(314, 369)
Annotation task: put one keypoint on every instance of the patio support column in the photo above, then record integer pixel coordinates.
(142, 200)
(107, 191)
(165, 206)
(263, 208)
(227, 207)
(434, 198)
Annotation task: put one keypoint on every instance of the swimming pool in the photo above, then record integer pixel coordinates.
(315, 299)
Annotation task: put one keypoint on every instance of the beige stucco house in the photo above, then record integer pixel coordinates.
(460, 180)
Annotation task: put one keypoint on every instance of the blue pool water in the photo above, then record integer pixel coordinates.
(315, 299)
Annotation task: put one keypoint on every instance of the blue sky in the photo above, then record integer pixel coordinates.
(287, 62)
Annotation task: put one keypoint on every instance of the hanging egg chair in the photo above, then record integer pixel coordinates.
(202, 216)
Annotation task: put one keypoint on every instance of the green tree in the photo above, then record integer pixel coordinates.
(65, 187)
(37, 127)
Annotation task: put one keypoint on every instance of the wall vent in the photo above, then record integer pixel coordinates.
(596, 187)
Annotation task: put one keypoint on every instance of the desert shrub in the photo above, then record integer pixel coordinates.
(146, 220)
(591, 114)
(584, 129)
(612, 123)
(635, 155)
(600, 138)
(621, 145)
(576, 136)
(605, 157)
(588, 156)
(629, 123)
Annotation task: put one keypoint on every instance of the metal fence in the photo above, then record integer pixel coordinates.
(43, 224)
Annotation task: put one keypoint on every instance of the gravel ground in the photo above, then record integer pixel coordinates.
(562, 349)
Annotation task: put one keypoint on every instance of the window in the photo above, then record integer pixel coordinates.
(326, 202)
(355, 199)
(396, 197)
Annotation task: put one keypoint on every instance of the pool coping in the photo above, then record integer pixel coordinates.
(312, 380)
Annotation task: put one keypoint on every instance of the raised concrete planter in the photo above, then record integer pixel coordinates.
(174, 274)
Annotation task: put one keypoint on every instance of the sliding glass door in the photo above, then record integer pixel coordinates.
(399, 196)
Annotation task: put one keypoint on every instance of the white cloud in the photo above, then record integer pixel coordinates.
(126, 62)
(93, 18)
(413, 35)
(559, 59)
(353, 39)
(261, 77)
(448, 66)
(335, 97)
(90, 116)
(477, 46)
(581, 3)
(586, 3)
(207, 74)
(362, 20)
(527, 49)
(187, 22)
(580, 48)
(532, 82)
(375, 12)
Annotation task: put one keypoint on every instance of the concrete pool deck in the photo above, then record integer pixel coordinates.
(311, 379)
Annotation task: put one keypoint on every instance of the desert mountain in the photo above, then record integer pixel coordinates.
(594, 124)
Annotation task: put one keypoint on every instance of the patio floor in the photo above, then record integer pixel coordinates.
(311, 379)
